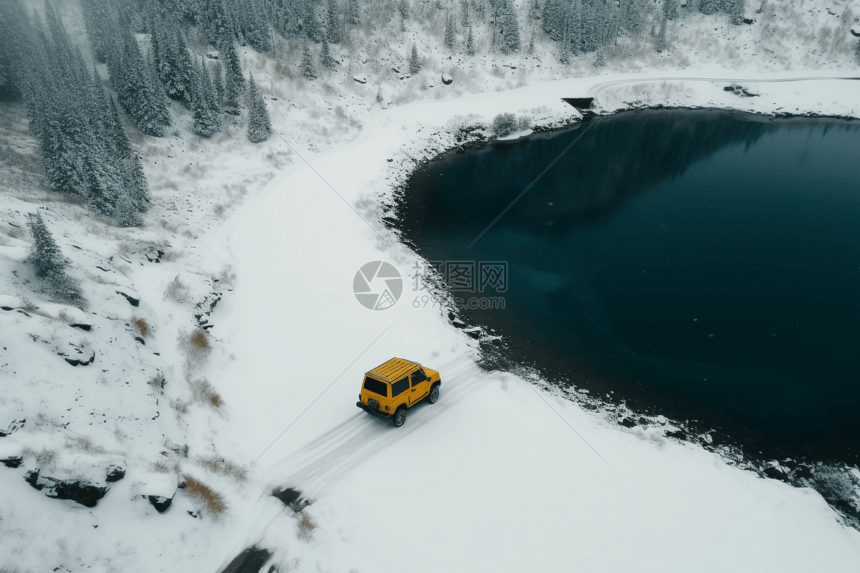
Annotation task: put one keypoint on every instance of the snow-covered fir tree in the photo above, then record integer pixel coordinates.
(50, 264)
(326, 59)
(206, 112)
(403, 9)
(333, 23)
(670, 9)
(307, 65)
(234, 82)
(660, 42)
(470, 43)
(414, 62)
(449, 32)
(353, 13)
(259, 124)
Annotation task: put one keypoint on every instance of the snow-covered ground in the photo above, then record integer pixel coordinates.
(497, 476)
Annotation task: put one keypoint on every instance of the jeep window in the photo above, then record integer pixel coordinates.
(399, 386)
(375, 386)
(418, 376)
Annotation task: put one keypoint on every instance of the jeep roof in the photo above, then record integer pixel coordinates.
(393, 370)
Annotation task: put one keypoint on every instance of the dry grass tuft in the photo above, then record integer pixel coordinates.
(202, 492)
(199, 341)
(204, 392)
(141, 325)
(306, 527)
(83, 443)
(224, 467)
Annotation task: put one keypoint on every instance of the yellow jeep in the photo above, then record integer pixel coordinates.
(390, 388)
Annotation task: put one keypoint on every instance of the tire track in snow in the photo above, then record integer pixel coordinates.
(327, 458)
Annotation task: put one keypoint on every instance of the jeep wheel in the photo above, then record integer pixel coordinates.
(434, 395)
(400, 416)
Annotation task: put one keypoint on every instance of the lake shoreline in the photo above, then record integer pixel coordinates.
(743, 449)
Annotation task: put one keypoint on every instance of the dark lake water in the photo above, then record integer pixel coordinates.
(700, 264)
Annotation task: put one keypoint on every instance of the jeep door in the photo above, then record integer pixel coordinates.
(420, 386)
(397, 393)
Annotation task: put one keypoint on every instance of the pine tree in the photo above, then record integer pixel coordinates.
(130, 172)
(449, 32)
(708, 7)
(218, 84)
(325, 56)
(464, 14)
(470, 43)
(234, 82)
(51, 265)
(307, 66)
(403, 8)
(670, 9)
(333, 24)
(736, 11)
(599, 61)
(509, 29)
(857, 52)
(414, 62)
(259, 125)
(353, 13)
(207, 117)
(312, 26)
(660, 43)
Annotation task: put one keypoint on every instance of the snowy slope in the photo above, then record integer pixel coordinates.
(487, 479)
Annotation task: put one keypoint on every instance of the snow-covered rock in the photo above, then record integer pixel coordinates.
(446, 79)
(360, 79)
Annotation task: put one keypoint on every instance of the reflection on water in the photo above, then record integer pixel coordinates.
(705, 263)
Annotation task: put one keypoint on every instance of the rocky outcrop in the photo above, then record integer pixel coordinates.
(81, 491)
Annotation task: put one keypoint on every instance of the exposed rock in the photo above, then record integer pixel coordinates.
(139, 339)
(774, 472)
(739, 91)
(250, 560)
(360, 79)
(292, 498)
(132, 301)
(212, 55)
(677, 434)
(748, 21)
(114, 473)
(86, 327)
(81, 491)
(12, 462)
(447, 80)
(628, 422)
(81, 361)
(14, 426)
(855, 31)
(161, 504)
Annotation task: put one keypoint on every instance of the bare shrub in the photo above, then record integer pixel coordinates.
(141, 325)
(203, 493)
(838, 486)
(524, 122)
(204, 392)
(44, 457)
(504, 124)
(165, 467)
(306, 527)
(224, 467)
(158, 381)
(176, 291)
(84, 444)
